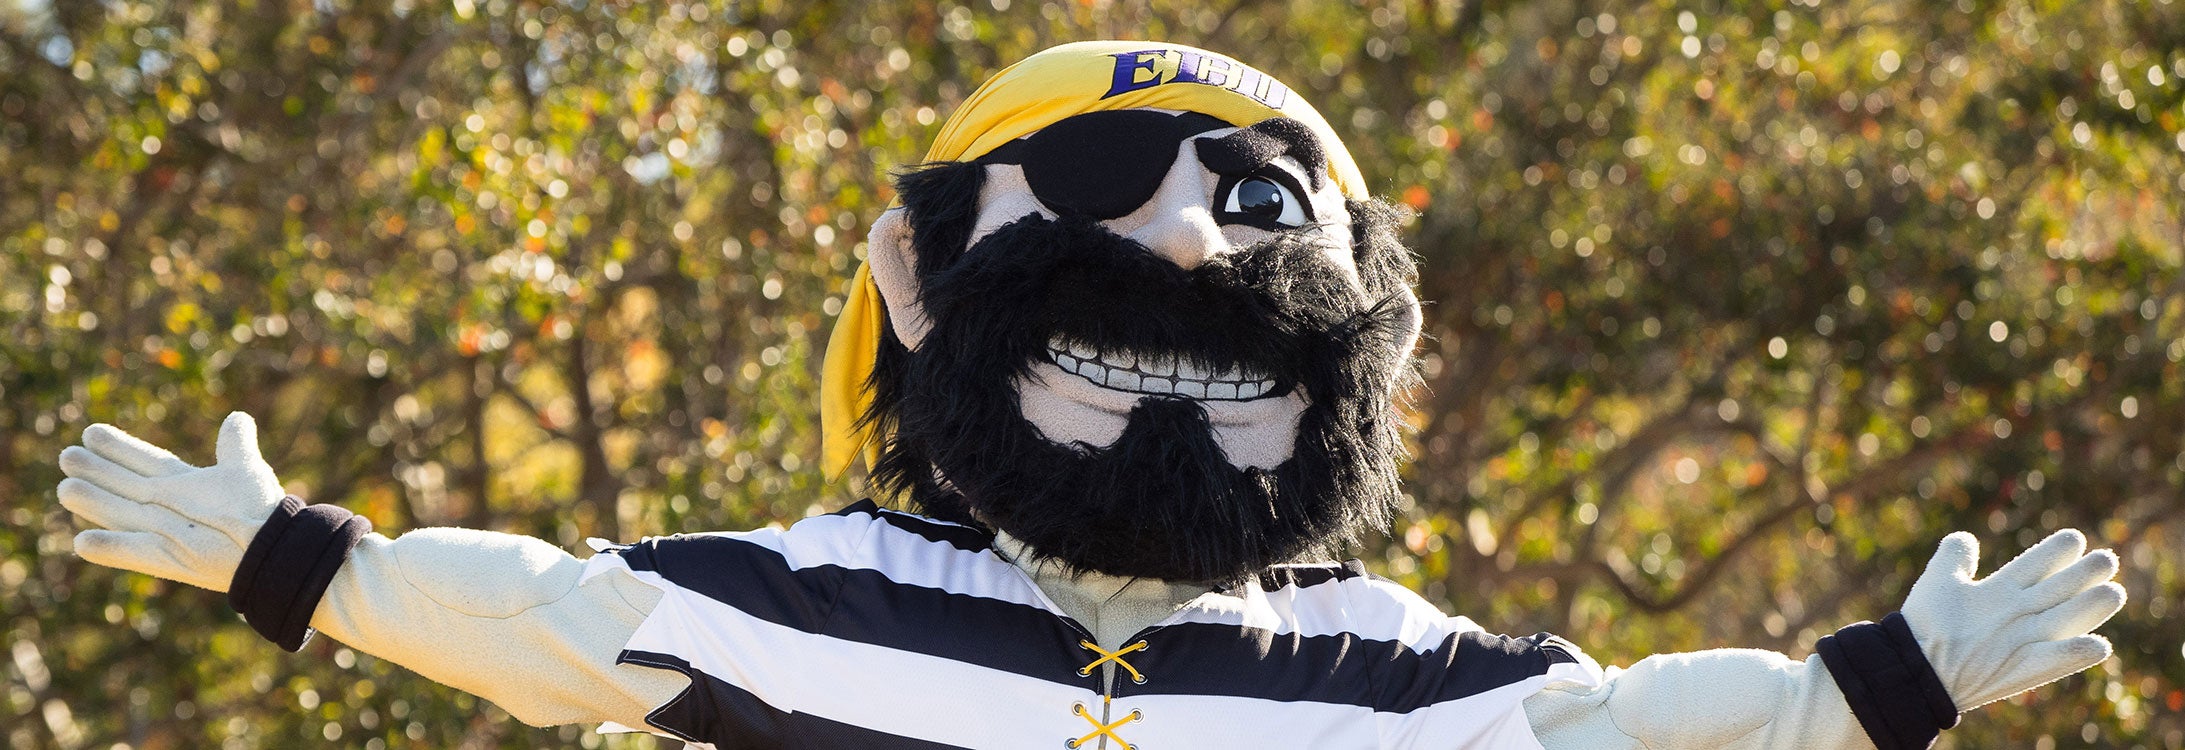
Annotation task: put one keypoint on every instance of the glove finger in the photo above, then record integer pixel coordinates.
(238, 443)
(2037, 664)
(79, 462)
(132, 452)
(1955, 559)
(2096, 567)
(2041, 560)
(2078, 615)
(127, 550)
(2042, 663)
(112, 511)
(142, 552)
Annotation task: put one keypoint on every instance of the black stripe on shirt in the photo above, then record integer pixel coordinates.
(868, 607)
(731, 718)
(1557, 650)
(1306, 576)
(1235, 660)
(955, 535)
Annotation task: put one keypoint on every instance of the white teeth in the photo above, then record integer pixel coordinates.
(1157, 375)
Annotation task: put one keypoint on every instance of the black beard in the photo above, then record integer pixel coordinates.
(1163, 501)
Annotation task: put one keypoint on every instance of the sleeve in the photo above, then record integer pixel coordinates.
(1724, 698)
(736, 624)
(508, 618)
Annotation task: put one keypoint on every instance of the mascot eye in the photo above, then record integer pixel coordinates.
(1262, 201)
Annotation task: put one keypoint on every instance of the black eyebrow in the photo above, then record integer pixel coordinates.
(1249, 149)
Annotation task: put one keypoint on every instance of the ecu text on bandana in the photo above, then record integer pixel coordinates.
(1157, 67)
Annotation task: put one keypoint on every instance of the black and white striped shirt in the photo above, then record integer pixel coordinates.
(870, 628)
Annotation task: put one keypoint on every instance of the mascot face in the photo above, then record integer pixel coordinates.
(1145, 342)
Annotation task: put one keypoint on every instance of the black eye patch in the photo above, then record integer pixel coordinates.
(1102, 165)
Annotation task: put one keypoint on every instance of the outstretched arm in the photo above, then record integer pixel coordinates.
(1959, 644)
(1725, 698)
(509, 618)
(500, 616)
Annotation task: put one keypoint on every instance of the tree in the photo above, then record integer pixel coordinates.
(1734, 308)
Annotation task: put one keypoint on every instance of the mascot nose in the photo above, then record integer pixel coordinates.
(1185, 235)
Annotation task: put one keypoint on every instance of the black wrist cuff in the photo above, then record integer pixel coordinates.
(289, 565)
(1886, 680)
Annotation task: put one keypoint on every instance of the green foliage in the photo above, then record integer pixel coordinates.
(1736, 308)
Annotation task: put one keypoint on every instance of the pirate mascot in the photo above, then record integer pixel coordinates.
(1131, 347)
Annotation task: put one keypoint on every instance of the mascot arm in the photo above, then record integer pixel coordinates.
(509, 618)
(1725, 698)
(1958, 644)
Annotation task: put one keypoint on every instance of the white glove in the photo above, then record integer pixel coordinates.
(2023, 626)
(505, 617)
(161, 516)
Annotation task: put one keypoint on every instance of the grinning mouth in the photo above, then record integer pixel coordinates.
(1157, 374)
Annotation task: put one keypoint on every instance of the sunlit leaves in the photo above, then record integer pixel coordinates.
(1735, 307)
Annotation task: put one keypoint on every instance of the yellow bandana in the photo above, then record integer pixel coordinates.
(1063, 81)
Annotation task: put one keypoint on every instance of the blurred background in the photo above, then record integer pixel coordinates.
(1736, 308)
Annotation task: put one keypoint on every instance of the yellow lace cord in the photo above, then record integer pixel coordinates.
(1099, 729)
(1114, 656)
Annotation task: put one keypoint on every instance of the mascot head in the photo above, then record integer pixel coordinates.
(1135, 311)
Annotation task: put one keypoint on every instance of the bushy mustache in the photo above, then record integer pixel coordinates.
(1274, 307)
